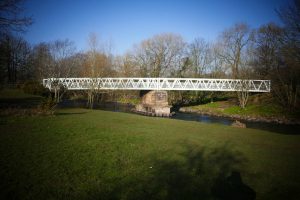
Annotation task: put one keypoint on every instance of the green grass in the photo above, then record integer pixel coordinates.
(264, 109)
(92, 154)
(132, 101)
(254, 110)
(211, 105)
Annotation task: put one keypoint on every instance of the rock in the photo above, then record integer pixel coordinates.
(182, 109)
(238, 124)
(154, 103)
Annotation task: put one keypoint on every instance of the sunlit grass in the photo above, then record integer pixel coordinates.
(92, 154)
(252, 109)
(255, 110)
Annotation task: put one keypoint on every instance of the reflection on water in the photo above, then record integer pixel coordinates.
(202, 118)
(117, 107)
(273, 127)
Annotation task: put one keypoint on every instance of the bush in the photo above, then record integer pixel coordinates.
(47, 104)
(46, 107)
(36, 88)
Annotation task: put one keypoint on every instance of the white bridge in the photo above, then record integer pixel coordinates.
(197, 84)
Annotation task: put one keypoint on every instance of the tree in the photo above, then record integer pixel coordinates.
(98, 64)
(160, 55)
(10, 17)
(278, 55)
(60, 64)
(14, 59)
(42, 61)
(268, 45)
(217, 67)
(199, 55)
(234, 45)
(289, 68)
(126, 66)
(234, 42)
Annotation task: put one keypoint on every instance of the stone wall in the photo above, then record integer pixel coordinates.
(157, 98)
(155, 103)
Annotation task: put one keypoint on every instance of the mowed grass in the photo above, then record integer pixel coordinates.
(93, 154)
(227, 108)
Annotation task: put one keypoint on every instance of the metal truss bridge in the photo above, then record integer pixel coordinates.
(196, 84)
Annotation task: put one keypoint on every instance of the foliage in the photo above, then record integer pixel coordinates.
(14, 102)
(159, 56)
(36, 88)
(15, 63)
(278, 54)
(47, 105)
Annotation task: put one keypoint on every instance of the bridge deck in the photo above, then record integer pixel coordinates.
(200, 84)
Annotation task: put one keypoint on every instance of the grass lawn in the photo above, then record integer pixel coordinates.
(93, 154)
(258, 106)
(265, 110)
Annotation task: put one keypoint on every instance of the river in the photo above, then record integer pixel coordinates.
(118, 107)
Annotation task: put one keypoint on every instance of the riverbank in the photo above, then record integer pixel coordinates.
(267, 113)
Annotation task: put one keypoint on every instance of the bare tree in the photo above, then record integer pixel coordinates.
(126, 66)
(217, 67)
(246, 73)
(268, 45)
(41, 60)
(60, 66)
(290, 65)
(233, 42)
(159, 55)
(14, 58)
(11, 18)
(200, 58)
(98, 64)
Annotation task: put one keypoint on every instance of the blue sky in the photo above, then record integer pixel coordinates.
(126, 23)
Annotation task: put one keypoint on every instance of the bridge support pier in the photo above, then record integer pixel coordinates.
(154, 103)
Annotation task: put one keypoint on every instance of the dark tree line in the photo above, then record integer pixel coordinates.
(268, 52)
(14, 49)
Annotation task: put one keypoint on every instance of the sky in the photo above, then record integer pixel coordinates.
(126, 23)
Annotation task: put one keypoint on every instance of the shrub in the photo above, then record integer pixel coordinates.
(36, 88)
(47, 104)
(46, 107)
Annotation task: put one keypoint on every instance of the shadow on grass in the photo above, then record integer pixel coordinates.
(195, 174)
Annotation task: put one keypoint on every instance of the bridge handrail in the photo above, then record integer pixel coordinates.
(135, 83)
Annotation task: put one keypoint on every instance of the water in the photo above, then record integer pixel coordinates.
(117, 107)
(273, 127)
(202, 118)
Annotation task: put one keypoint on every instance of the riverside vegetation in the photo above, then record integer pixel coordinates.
(260, 108)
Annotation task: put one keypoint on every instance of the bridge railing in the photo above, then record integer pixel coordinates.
(200, 84)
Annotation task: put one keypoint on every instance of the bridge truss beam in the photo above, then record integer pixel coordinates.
(196, 84)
